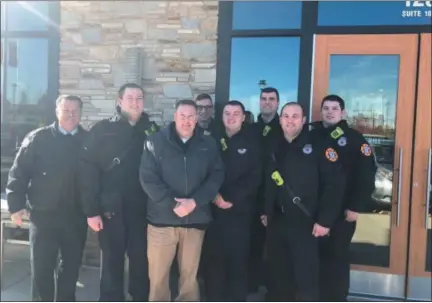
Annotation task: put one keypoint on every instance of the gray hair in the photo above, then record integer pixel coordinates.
(73, 98)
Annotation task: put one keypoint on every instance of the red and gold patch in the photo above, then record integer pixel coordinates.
(366, 150)
(331, 155)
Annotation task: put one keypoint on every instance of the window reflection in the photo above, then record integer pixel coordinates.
(267, 14)
(339, 13)
(25, 93)
(369, 85)
(261, 62)
(27, 15)
(2, 15)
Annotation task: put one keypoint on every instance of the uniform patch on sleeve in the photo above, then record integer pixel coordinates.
(342, 141)
(307, 149)
(366, 150)
(242, 151)
(331, 155)
(276, 176)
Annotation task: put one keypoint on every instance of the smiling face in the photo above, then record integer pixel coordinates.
(233, 117)
(331, 112)
(292, 120)
(132, 103)
(68, 114)
(185, 118)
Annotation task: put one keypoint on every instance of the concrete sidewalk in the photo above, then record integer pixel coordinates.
(17, 282)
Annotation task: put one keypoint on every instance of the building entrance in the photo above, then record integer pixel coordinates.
(386, 83)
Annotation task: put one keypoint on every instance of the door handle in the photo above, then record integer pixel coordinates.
(428, 187)
(398, 210)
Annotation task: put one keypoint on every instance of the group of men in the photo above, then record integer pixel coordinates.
(238, 204)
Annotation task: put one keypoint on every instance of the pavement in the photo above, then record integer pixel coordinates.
(370, 246)
(17, 282)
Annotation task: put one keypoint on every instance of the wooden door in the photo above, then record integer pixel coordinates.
(419, 261)
(376, 76)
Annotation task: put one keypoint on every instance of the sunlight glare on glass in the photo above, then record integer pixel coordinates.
(34, 11)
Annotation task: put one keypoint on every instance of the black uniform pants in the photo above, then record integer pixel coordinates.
(293, 259)
(256, 254)
(51, 233)
(226, 251)
(124, 232)
(335, 262)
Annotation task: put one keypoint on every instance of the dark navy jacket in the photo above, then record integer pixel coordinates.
(169, 170)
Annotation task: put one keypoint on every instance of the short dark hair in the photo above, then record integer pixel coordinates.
(268, 90)
(73, 98)
(334, 98)
(129, 85)
(185, 102)
(249, 117)
(203, 97)
(236, 103)
(292, 103)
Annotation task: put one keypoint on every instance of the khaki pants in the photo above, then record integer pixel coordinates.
(161, 250)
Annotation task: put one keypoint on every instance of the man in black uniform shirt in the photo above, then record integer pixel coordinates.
(113, 199)
(268, 131)
(359, 165)
(310, 170)
(227, 241)
(44, 171)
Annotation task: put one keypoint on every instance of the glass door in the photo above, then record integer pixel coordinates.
(419, 262)
(376, 76)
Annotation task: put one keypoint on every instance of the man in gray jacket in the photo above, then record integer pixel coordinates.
(181, 171)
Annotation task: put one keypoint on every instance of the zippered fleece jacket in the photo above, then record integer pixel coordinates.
(173, 169)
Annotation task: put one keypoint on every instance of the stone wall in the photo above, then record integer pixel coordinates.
(169, 47)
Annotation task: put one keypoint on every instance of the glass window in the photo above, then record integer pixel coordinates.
(260, 62)
(335, 13)
(27, 15)
(369, 86)
(25, 102)
(2, 15)
(2, 77)
(267, 15)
